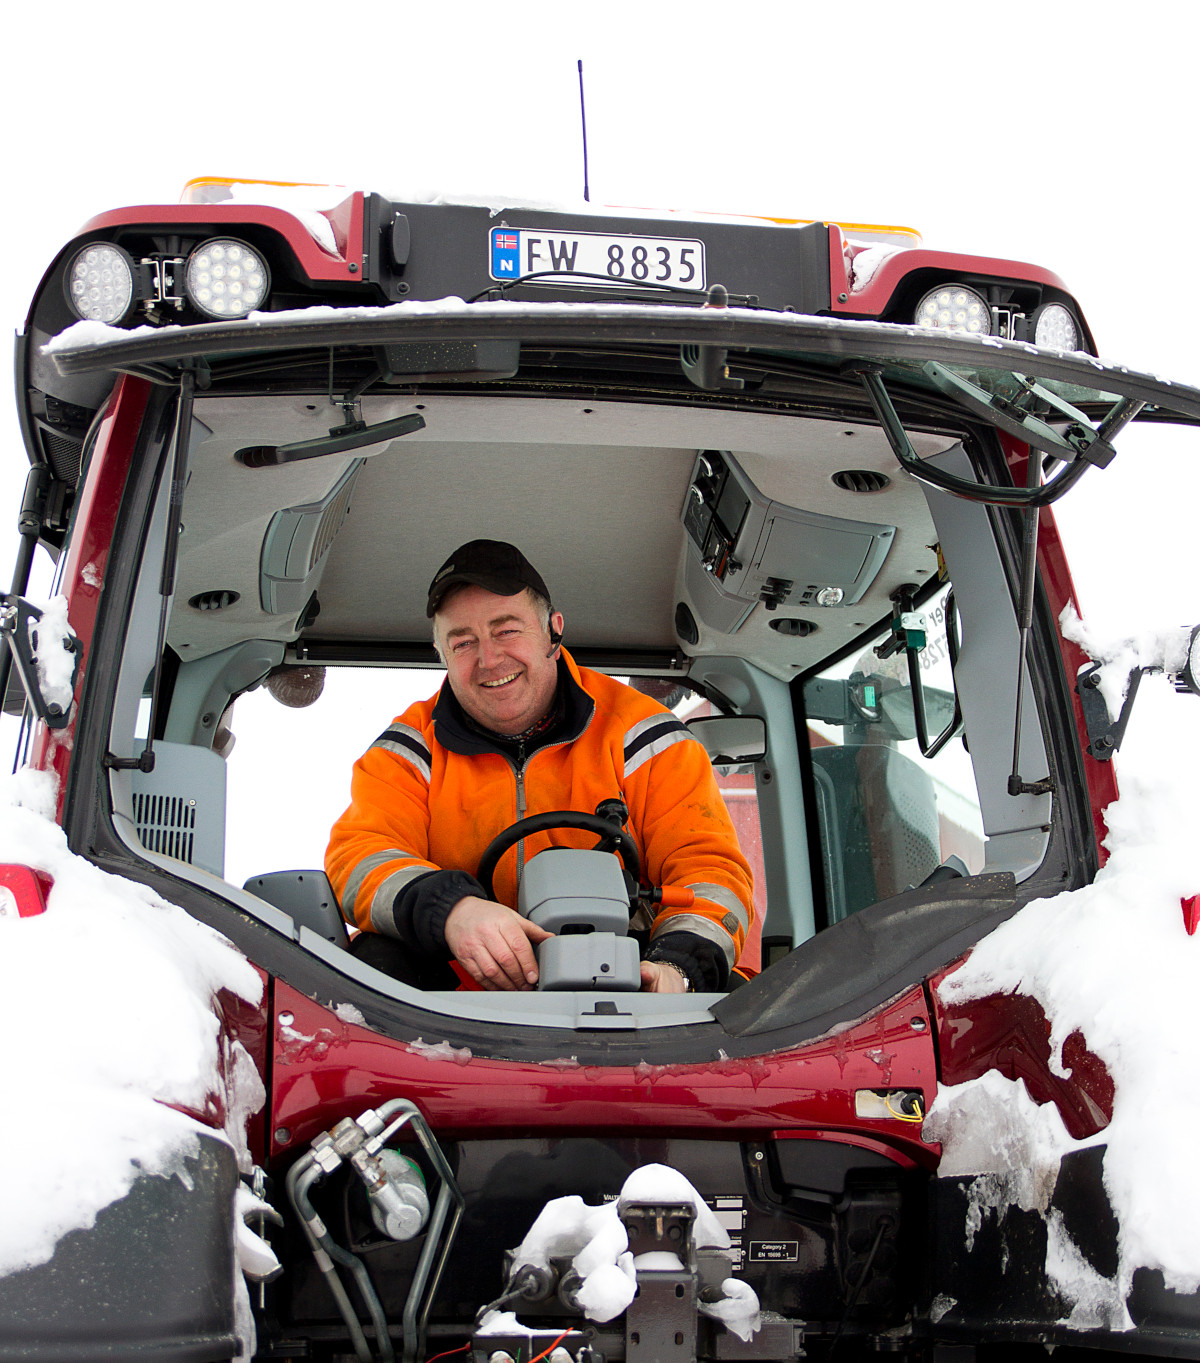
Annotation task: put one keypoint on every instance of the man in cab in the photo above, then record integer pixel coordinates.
(518, 728)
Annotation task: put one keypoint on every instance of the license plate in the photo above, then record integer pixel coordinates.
(595, 259)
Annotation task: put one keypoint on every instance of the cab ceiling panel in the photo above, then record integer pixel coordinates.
(603, 530)
(592, 493)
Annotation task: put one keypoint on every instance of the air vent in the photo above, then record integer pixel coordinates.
(179, 807)
(330, 523)
(214, 601)
(63, 453)
(861, 480)
(166, 824)
(297, 544)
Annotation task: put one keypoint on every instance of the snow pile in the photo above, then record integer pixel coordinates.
(441, 1050)
(1114, 961)
(595, 1240)
(991, 1128)
(85, 334)
(52, 641)
(108, 964)
(1166, 650)
(866, 263)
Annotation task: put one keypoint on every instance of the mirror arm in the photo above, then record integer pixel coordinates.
(18, 624)
(29, 527)
(902, 605)
(1105, 735)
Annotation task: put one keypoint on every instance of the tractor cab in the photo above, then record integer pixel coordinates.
(795, 481)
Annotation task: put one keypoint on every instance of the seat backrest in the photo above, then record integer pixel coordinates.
(307, 897)
(879, 819)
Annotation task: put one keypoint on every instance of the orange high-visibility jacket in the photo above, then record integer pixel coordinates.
(417, 806)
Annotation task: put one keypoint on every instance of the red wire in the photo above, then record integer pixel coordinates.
(550, 1348)
(448, 1352)
(537, 1358)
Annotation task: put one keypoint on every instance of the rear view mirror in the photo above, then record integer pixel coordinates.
(898, 717)
(731, 740)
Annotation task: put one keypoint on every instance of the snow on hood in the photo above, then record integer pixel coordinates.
(1113, 960)
(303, 202)
(108, 964)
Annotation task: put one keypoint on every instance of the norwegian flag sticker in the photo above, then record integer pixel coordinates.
(506, 253)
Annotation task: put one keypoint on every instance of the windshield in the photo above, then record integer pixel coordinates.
(758, 544)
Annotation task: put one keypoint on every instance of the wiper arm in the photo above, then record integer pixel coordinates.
(1085, 447)
(1080, 440)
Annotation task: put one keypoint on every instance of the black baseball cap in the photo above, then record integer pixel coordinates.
(490, 564)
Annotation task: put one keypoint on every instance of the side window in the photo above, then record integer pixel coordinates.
(887, 815)
(289, 768)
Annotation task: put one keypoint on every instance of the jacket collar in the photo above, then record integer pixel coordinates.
(452, 730)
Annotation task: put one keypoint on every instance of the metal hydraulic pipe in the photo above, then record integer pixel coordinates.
(300, 1178)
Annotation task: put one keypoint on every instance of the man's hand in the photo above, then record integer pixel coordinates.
(494, 943)
(659, 978)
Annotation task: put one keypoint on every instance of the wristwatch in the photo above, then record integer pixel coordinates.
(679, 970)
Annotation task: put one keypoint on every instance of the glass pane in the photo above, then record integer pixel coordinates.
(887, 816)
(289, 769)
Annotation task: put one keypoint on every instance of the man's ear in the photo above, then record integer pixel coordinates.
(555, 624)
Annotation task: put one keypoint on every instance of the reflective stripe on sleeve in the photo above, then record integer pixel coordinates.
(649, 737)
(382, 918)
(721, 894)
(701, 927)
(362, 870)
(406, 743)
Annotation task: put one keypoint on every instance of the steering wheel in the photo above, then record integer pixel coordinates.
(612, 839)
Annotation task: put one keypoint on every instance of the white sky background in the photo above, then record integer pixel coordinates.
(1036, 130)
(1045, 132)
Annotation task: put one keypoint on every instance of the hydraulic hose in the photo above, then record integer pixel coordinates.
(300, 1178)
(351, 1139)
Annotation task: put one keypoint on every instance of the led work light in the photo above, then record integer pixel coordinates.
(1054, 328)
(954, 307)
(99, 283)
(226, 278)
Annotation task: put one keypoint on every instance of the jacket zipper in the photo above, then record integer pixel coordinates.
(519, 772)
(519, 769)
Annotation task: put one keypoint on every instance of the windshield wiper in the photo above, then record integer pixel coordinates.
(1083, 445)
(1079, 440)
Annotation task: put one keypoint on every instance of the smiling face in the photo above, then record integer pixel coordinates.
(499, 660)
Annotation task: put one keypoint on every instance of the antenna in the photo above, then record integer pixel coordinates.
(583, 121)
